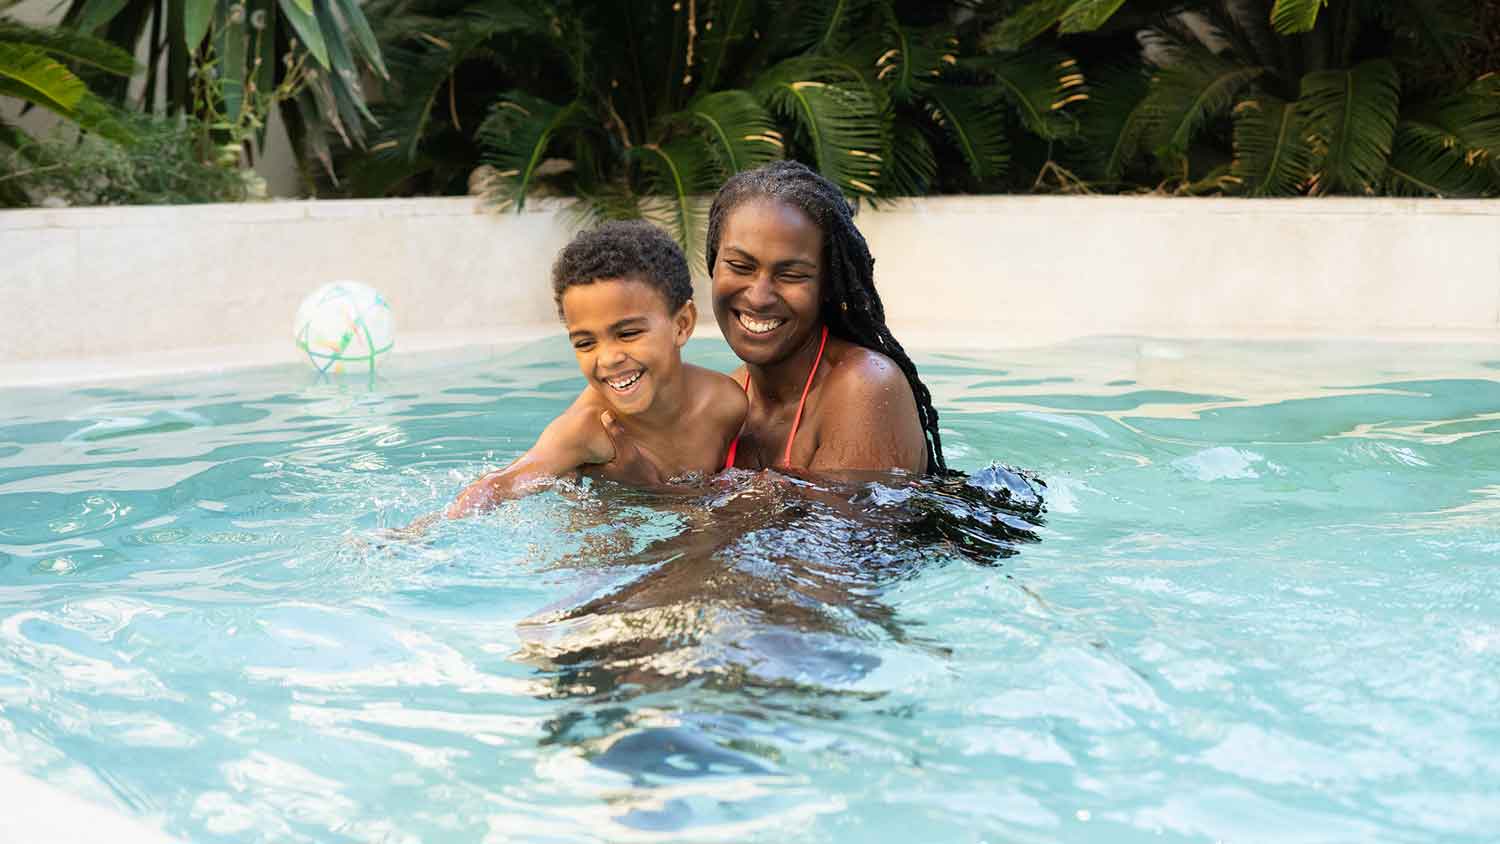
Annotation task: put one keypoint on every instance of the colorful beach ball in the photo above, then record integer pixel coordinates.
(344, 325)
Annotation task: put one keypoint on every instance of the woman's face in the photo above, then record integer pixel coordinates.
(767, 280)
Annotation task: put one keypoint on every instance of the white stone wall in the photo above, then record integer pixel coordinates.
(110, 285)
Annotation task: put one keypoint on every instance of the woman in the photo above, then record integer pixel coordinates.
(794, 293)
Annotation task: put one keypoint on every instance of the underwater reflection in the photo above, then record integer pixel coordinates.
(773, 580)
(773, 583)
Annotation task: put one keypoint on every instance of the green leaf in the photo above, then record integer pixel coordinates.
(976, 124)
(230, 49)
(1115, 123)
(1427, 160)
(1293, 16)
(836, 114)
(197, 15)
(739, 131)
(1039, 83)
(681, 175)
(364, 36)
(68, 45)
(731, 21)
(1272, 152)
(300, 14)
(1195, 88)
(913, 165)
(1026, 24)
(823, 27)
(1448, 147)
(1088, 15)
(516, 136)
(29, 74)
(96, 13)
(1354, 114)
(913, 60)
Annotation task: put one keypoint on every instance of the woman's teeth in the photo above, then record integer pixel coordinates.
(759, 326)
(625, 382)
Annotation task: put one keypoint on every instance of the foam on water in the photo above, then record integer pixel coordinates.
(1263, 607)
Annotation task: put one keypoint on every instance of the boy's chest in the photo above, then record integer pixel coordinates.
(656, 459)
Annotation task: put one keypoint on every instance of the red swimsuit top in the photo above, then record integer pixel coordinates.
(786, 459)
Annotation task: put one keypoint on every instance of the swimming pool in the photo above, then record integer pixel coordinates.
(1264, 607)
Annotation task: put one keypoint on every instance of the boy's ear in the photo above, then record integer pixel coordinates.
(683, 323)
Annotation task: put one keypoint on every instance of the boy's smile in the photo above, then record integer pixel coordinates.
(626, 339)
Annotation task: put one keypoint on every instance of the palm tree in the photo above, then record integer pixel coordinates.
(1283, 97)
(642, 107)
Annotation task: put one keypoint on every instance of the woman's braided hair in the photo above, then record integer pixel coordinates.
(851, 308)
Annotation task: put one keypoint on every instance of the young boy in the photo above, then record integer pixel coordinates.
(625, 295)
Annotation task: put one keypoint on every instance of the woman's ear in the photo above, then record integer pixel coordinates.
(683, 323)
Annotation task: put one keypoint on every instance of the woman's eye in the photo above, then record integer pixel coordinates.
(738, 267)
(796, 277)
(627, 335)
(583, 345)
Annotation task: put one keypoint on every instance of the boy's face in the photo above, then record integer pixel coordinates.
(627, 340)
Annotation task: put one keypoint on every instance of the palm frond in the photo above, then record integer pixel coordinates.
(29, 74)
(1026, 24)
(912, 166)
(727, 27)
(1272, 152)
(1195, 88)
(1437, 26)
(1039, 83)
(681, 175)
(1353, 112)
(70, 46)
(1114, 125)
(1448, 147)
(1428, 161)
(975, 121)
(516, 136)
(911, 60)
(739, 131)
(1088, 15)
(835, 113)
(822, 28)
(1293, 16)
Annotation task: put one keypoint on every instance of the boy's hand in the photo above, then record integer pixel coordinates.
(632, 465)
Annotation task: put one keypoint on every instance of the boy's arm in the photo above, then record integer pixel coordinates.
(573, 440)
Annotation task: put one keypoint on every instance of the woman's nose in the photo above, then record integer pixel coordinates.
(761, 293)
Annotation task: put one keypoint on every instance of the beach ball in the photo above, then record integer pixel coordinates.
(344, 324)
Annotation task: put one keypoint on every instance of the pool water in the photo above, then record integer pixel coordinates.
(1264, 606)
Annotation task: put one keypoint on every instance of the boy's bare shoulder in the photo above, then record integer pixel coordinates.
(723, 399)
(578, 431)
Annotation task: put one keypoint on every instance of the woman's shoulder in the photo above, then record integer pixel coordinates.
(859, 371)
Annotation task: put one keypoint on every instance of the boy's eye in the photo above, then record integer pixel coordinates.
(738, 266)
(583, 345)
(633, 332)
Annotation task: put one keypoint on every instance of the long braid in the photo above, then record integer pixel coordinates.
(851, 307)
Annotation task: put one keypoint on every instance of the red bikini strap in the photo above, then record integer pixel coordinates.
(786, 459)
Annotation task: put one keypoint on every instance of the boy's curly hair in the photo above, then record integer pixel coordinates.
(632, 249)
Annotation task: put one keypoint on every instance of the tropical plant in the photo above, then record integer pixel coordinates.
(159, 163)
(35, 69)
(1284, 97)
(642, 107)
(252, 46)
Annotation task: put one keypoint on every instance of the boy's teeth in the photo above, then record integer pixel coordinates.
(626, 381)
(759, 326)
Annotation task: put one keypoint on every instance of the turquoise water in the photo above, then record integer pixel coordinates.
(1264, 607)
